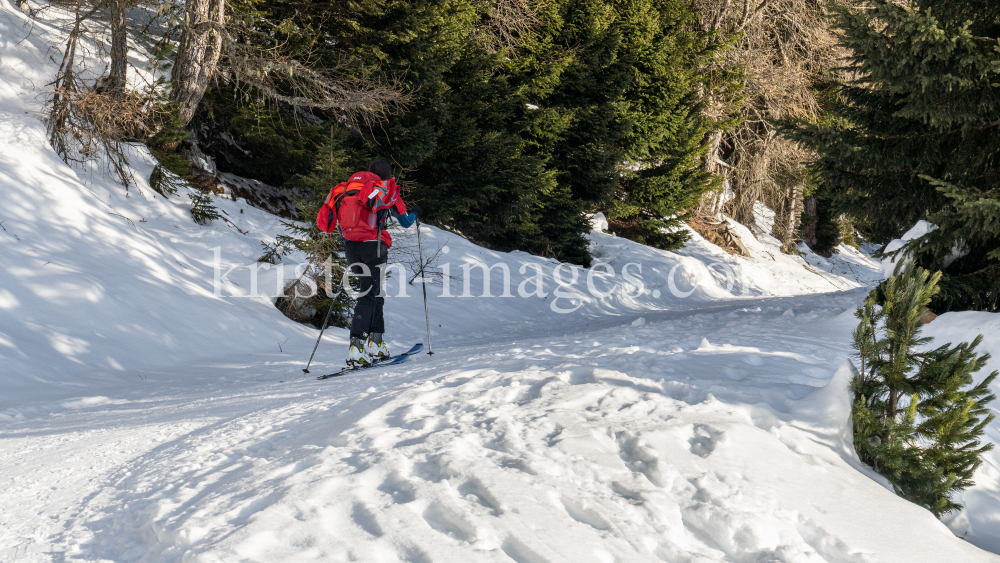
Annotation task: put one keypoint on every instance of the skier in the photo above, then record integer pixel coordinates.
(359, 209)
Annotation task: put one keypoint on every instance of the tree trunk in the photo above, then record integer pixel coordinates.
(809, 232)
(720, 16)
(711, 203)
(786, 218)
(119, 48)
(197, 54)
(792, 219)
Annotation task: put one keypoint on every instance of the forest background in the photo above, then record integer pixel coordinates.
(509, 120)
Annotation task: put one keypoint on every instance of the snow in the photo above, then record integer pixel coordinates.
(638, 443)
(763, 218)
(599, 222)
(979, 522)
(694, 410)
(917, 231)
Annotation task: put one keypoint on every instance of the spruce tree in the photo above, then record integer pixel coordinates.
(662, 102)
(630, 126)
(462, 143)
(916, 420)
(202, 209)
(596, 107)
(819, 226)
(255, 139)
(915, 137)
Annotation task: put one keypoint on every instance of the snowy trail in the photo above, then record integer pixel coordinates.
(146, 418)
(629, 443)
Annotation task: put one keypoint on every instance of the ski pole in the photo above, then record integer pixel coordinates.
(325, 321)
(423, 284)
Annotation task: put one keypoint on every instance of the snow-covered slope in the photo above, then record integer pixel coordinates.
(145, 417)
(979, 522)
(98, 284)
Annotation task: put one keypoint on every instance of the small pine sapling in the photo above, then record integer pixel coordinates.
(172, 170)
(308, 298)
(165, 182)
(916, 420)
(202, 209)
(283, 246)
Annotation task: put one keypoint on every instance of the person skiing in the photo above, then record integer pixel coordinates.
(359, 209)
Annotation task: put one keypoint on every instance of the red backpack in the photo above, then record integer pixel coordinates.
(354, 206)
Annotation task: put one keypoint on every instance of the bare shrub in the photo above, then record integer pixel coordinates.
(787, 53)
(718, 232)
(406, 252)
(230, 49)
(505, 22)
(300, 83)
(85, 119)
(91, 114)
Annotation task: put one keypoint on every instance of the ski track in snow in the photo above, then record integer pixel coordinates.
(635, 443)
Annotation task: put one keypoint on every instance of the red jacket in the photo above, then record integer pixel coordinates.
(361, 206)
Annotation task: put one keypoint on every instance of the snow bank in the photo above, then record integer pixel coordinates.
(99, 285)
(979, 521)
(101, 288)
(917, 231)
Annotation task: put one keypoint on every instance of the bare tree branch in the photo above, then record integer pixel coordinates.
(289, 80)
(784, 48)
(720, 15)
(506, 22)
(748, 18)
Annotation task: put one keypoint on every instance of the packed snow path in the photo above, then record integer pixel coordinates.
(699, 437)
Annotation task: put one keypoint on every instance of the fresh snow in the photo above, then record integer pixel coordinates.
(979, 522)
(701, 417)
(917, 231)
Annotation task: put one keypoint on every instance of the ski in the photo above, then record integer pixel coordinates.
(390, 361)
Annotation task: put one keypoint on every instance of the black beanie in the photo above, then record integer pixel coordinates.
(381, 168)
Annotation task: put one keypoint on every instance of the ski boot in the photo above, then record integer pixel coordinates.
(376, 348)
(358, 355)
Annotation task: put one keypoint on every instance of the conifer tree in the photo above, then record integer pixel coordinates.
(595, 107)
(630, 124)
(916, 420)
(915, 136)
(461, 144)
(202, 209)
(663, 105)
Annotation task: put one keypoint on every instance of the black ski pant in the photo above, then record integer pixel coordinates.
(368, 310)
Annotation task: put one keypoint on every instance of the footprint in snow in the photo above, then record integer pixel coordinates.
(704, 439)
